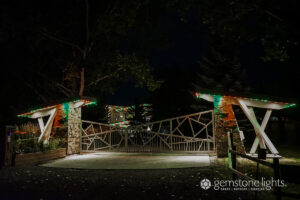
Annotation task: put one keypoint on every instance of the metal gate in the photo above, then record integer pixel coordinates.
(189, 133)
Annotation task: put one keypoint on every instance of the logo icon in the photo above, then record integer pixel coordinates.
(205, 184)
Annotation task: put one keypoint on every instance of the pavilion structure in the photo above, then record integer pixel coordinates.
(69, 112)
(122, 115)
(225, 121)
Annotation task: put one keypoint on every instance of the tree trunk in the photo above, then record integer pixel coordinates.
(81, 83)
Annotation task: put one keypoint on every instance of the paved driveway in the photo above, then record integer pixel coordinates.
(108, 160)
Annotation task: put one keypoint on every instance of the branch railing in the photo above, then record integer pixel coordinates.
(192, 133)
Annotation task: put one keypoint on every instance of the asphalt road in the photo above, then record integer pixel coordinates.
(112, 160)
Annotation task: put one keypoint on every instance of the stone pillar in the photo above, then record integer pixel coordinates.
(74, 129)
(225, 121)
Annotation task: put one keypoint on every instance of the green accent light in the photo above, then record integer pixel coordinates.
(288, 106)
(91, 103)
(66, 110)
(217, 100)
(23, 116)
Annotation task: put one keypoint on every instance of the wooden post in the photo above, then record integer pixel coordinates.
(9, 146)
(229, 148)
(110, 138)
(2, 147)
(7, 149)
(160, 144)
(277, 177)
(171, 132)
(261, 153)
(231, 156)
(126, 140)
(213, 129)
(94, 144)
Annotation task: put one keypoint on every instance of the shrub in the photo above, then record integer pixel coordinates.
(27, 144)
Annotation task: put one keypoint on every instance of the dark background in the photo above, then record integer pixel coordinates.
(172, 36)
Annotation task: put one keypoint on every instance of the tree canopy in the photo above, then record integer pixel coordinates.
(56, 49)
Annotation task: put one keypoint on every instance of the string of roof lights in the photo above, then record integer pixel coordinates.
(125, 108)
(86, 103)
(287, 105)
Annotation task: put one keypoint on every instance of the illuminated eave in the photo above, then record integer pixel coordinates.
(252, 102)
(79, 102)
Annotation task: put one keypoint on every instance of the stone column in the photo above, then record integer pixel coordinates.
(74, 129)
(225, 121)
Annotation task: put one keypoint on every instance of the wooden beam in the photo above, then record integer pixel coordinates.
(263, 126)
(78, 104)
(42, 113)
(41, 124)
(266, 119)
(45, 134)
(259, 104)
(249, 102)
(258, 138)
(191, 127)
(207, 97)
(257, 126)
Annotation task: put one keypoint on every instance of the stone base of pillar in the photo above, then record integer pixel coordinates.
(73, 145)
(74, 129)
(225, 121)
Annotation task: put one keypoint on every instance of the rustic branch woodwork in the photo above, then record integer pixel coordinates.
(183, 133)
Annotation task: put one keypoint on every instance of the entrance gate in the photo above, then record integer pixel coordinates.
(189, 133)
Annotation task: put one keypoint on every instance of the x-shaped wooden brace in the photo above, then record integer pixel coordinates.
(258, 139)
(45, 129)
(261, 136)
